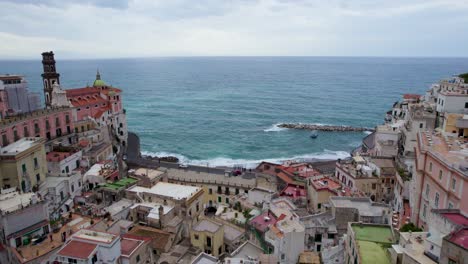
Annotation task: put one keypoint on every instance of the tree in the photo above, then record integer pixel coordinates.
(410, 227)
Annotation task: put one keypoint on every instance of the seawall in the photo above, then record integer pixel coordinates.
(328, 128)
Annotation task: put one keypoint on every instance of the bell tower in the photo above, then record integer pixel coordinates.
(49, 77)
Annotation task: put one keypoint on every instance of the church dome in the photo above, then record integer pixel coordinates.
(98, 82)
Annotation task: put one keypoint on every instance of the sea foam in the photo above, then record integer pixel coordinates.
(252, 163)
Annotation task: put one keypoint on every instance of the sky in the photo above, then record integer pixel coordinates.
(148, 28)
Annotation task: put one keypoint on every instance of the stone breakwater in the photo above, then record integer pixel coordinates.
(328, 128)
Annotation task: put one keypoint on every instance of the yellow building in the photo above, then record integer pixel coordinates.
(23, 164)
(456, 124)
(208, 236)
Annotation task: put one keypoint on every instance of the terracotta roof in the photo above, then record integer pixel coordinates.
(159, 238)
(84, 142)
(81, 91)
(411, 96)
(55, 156)
(284, 177)
(261, 224)
(294, 191)
(128, 245)
(77, 249)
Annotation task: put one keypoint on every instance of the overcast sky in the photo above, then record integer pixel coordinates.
(142, 28)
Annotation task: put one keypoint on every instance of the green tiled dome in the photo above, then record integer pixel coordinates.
(98, 82)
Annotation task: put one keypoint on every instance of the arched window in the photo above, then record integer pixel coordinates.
(46, 84)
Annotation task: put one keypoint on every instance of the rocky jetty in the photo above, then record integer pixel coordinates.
(328, 128)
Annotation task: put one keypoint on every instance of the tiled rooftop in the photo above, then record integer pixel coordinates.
(460, 238)
(456, 218)
(450, 150)
(77, 249)
(294, 191)
(128, 245)
(261, 222)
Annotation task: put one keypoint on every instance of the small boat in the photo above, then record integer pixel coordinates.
(314, 134)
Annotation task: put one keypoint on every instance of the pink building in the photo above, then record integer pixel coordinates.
(46, 123)
(441, 174)
(102, 103)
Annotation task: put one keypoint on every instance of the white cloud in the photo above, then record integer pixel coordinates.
(87, 29)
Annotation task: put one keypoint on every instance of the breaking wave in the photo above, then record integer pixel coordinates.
(251, 163)
(275, 128)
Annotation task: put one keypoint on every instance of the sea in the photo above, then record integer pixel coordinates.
(224, 111)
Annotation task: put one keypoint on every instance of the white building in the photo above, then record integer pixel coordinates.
(22, 216)
(89, 247)
(59, 191)
(452, 96)
(287, 236)
(63, 162)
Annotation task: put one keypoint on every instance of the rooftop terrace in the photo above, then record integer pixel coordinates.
(373, 233)
(372, 241)
(449, 150)
(364, 204)
(21, 145)
(174, 191)
(120, 184)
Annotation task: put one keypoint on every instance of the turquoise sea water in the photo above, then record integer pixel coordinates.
(222, 110)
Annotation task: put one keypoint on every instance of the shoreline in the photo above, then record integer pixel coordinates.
(135, 155)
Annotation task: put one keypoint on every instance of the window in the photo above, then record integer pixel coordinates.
(283, 256)
(454, 184)
(70, 260)
(466, 105)
(374, 186)
(319, 206)
(210, 191)
(219, 199)
(424, 211)
(421, 125)
(138, 258)
(440, 175)
(430, 166)
(23, 168)
(450, 205)
(227, 200)
(25, 132)
(198, 207)
(4, 140)
(36, 163)
(195, 236)
(72, 187)
(427, 190)
(436, 200)
(38, 177)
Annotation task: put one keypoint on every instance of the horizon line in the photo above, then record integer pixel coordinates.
(240, 56)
